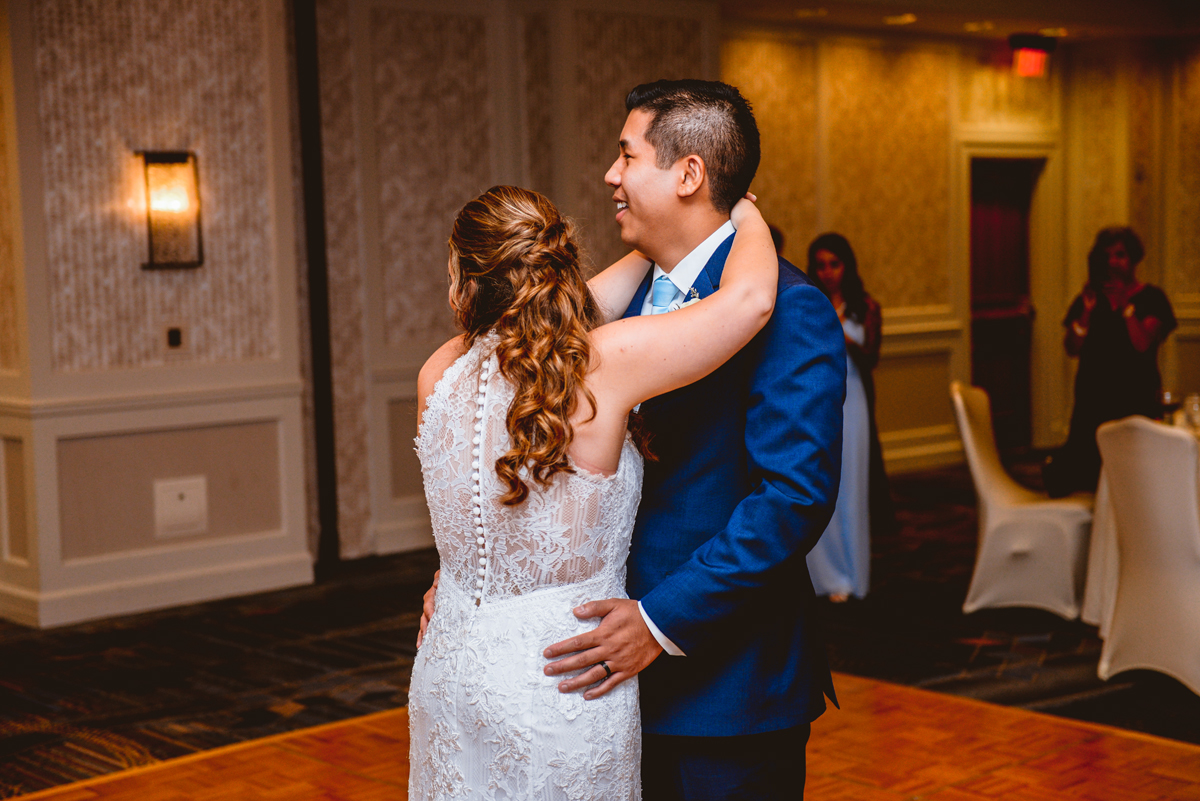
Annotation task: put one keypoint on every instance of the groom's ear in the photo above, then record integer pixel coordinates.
(693, 173)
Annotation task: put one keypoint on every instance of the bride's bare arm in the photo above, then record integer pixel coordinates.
(641, 357)
(432, 370)
(615, 286)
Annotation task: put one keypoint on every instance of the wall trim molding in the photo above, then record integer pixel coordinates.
(922, 448)
(161, 590)
(898, 330)
(1015, 137)
(1048, 267)
(25, 408)
(913, 329)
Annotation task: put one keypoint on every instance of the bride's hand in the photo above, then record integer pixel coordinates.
(743, 210)
(428, 607)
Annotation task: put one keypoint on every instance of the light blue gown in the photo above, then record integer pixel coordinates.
(841, 561)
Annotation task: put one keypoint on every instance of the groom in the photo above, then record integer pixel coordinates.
(745, 482)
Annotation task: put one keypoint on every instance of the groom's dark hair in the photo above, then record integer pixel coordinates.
(709, 119)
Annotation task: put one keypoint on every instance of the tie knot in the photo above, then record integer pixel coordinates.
(662, 293)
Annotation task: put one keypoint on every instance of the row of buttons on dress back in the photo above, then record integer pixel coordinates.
(477, 481)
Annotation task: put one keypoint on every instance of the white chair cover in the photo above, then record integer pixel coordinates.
(1032, 548)
(1155, 491)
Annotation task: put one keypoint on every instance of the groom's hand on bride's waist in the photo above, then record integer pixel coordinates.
(622, 641)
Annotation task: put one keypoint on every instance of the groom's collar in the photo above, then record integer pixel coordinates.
(690, 266)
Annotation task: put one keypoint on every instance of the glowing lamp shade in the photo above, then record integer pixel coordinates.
(1031, 54)
(172, 209)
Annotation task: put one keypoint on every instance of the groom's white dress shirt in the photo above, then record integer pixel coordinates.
(689, 267)
(683, 276)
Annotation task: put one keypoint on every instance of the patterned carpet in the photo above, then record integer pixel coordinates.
(89, 699)
(98, 697)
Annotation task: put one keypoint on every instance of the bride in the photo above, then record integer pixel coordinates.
(533, 478)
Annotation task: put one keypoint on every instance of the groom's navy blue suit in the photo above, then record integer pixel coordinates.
(746, 480)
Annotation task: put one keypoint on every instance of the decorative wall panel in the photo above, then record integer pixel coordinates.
(538, 102)
(106, 481)
(1187, 364)
(912, 391)
(347, 310)
(12, 451)
(1094, 95)
(1185, 196)
(779, 78)
(119, 77)
(1145, 175)
(8, 258)
(406, 468)
(432, 131)
(887, 152)
(991, 95)
(614, 53)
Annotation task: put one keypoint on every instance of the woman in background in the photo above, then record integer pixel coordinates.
(840, 563)
(1114, 327)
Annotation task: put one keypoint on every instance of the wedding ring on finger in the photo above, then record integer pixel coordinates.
(607, 669)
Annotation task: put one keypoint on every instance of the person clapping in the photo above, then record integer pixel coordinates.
(1114, 327)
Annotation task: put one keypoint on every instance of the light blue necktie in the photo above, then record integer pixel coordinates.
(662, 294)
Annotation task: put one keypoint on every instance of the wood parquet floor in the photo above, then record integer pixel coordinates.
(887, 743)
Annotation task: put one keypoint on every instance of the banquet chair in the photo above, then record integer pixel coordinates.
(1032, 548)
(1152, 478)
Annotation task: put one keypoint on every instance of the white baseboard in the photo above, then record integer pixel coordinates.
(125, 597)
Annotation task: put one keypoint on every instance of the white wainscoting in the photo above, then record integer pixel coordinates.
(47, 589)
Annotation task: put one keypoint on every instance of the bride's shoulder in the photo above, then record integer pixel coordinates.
(436, 366)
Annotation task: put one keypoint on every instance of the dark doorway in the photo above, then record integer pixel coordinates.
(1001, 314)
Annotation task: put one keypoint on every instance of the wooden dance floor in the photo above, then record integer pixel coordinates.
(886, 744)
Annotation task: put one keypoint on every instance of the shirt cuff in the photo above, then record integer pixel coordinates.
(671, 648)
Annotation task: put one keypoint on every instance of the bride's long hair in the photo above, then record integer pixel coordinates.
(515, 270)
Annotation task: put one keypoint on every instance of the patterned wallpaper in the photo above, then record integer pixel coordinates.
(185, 75)
(779, 78)
(888, 163)
(1186, 195)
(614, 53)
(8, 265)
(432, 127)
(1094, 96)
(539, 102)
(989, 94)
(347, 310)
(1145, 180)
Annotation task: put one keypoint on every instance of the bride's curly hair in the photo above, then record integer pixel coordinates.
(515, 270)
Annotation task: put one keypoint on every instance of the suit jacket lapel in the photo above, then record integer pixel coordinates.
(639, 297)
(704, 284)
(709, 279)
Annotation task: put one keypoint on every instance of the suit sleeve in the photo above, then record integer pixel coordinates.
(794, 443)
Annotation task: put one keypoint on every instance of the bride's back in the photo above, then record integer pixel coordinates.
(571, 531)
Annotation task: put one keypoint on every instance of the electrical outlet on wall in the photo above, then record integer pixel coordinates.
(180, 506)
(176, 339)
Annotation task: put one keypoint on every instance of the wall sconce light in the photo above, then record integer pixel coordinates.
(1031, 53)
(172, 209)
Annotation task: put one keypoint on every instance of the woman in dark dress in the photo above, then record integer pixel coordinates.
(1114, 326)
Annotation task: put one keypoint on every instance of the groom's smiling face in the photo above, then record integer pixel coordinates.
(645, 194)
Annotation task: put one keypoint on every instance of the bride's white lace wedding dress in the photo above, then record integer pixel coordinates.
(486, 722)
